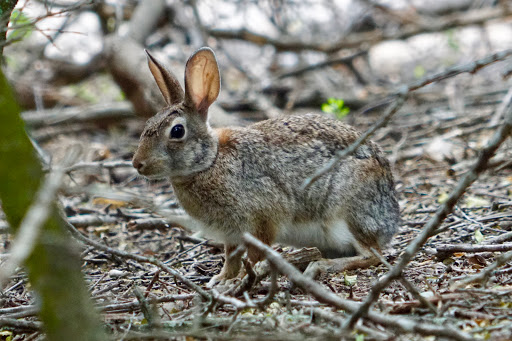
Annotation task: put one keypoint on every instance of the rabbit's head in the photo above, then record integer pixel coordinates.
(177, 141)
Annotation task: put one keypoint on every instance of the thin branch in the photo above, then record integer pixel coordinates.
(449, 248)
(407, 284)
(81, 114)
(356, 40)
(98, 165)
(505, 103)
(471, 67)
(20, 324)
(329, 62)
(207, 296)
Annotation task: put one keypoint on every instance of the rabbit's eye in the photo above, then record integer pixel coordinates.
(178, 131)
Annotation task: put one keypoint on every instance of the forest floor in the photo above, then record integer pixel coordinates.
(430, 146)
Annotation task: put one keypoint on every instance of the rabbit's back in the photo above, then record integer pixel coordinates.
(255, 185)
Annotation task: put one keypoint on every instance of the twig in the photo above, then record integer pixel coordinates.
(35, 218)
(99, 165)
(442, 212)
(499, 239)
(448, 248)
(471, 67)
(325, 296)
(95, 112)
(120, 307)
(341, 154)
(147, 309)
(505, 103)
(329, 62)
(20, 324)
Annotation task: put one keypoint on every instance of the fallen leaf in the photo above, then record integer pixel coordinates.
(350, 280)
(442, 198)
(477, 261)
(99, 201)
(472, 201)
(479, 237)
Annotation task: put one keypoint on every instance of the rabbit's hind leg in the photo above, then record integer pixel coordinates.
(314, 269)
(346, 251)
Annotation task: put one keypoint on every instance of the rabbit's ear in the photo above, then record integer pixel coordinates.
(202, 81)
(167, 83)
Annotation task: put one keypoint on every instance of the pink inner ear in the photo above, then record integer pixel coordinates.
(201, 81)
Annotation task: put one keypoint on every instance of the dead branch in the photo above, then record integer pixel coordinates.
(212, 296)
(442, 212)
(471, 67)
(498, 115)
(450, 248)
(85, 220)
(408, 306)
(145, 18)
(407, 284)
(98, 165)
(357, 40)
(329, 62)
(95, 112)
(333, 317)
(20, 324)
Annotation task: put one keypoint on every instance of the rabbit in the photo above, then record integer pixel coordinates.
(248, 179)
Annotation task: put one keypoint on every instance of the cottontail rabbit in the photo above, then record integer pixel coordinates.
(236, 180)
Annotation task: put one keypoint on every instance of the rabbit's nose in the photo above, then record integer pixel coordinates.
(139, 165)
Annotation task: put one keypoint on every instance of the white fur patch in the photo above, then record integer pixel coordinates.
(335, 235)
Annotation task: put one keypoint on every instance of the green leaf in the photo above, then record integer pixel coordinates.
(335, 106)
(327, 108)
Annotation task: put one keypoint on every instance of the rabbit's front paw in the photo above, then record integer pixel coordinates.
(220, 283)
(217, 279)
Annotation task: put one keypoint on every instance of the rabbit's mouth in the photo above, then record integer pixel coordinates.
(152, 173)
(150, 170)
(153, 176)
